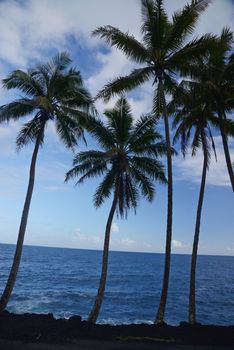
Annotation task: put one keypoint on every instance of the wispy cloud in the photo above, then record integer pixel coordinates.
(55, 189)
(114, 227)
(177, 244)
(180, 247)
(26, 34)
(190, 168)
(95, 241)
(83, 240)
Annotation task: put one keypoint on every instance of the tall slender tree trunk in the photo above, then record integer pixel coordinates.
(19, 246)
(163, 299)
(192, 291)
(102, 284)
(226, 149)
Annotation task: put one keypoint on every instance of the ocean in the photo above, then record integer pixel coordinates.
(64, 282)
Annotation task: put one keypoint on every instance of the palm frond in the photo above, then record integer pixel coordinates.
(124, 84)
(88, 169)
(91, 156)
(30, 131)
(227, 38)
(145, 185)
(102, 135)
(130, 46)
(131, 192)
(158, 150)
(193, 50)
(155, 25)
(23, 81)
(104, 189)
(197, 142)
(183, 24)
(69, 130)
(159, 102)
(56, 65)
(17, 109)
(151, 168)
(212, 143)
(142, 125)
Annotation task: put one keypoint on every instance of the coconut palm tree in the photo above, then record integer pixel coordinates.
(128, 161)
(194, 119)
(52, 92)
(215, 75)
(164, 52)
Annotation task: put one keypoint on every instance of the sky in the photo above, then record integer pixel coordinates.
(63, 215)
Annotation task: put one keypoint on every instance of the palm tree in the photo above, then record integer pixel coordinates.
(215, 75)
(194, 117)
(52, 92)
(128, 161)
(165, 52)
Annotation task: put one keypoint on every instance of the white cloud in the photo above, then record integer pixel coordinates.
(112, 64)
(14, 175)
(148, 246)
(177, 244)
(86, 241)
(7, 139)
(12, 179)
(32, 27)
(114, 227)
(126, 241)
(55, 188)
(230, 249)
(190, 168)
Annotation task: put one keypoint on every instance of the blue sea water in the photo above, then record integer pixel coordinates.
(64, 282)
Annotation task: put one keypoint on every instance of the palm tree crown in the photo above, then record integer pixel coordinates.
(53, 91)
(164, 50)
(193, 117)
(128, 157)
(214, 75)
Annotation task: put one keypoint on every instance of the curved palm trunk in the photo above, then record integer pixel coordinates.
(163, 299)
(19, 246)
(192, 291)
(226, 150)
(102, 284)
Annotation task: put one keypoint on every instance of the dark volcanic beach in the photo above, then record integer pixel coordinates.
(100, 345)
(33, 331)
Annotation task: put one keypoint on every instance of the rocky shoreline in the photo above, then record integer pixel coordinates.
(44, 328)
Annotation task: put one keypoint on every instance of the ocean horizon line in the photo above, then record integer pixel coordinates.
(114, 251)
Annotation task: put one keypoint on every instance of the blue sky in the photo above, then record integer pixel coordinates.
(61, 214)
